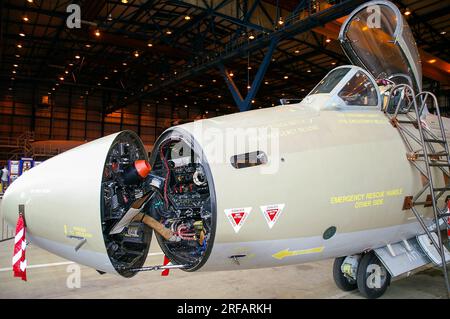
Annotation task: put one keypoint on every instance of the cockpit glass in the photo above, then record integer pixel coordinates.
(371, 41)
(330, 81)
(359, 90)
(374, 44)
(412, 49)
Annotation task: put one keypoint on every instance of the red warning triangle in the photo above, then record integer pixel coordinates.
(272, 213)
(237, 217)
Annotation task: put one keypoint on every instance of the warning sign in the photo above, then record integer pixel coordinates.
(272, 213)
(237, 216)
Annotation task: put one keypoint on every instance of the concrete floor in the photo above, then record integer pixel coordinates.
(47, 276)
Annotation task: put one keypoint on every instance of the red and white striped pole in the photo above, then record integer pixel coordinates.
(19, 261)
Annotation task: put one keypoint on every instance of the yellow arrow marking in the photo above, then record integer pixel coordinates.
(287, 253)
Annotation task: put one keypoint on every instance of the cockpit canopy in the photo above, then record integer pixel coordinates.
(345, 86)
(377, 38)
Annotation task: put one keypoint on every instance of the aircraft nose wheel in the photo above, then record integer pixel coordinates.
(372, 277)
(343, 282)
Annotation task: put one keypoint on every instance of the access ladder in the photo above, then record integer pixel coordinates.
(427, 150)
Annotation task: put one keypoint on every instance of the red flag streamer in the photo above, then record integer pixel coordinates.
(19, 262)
(165, 272)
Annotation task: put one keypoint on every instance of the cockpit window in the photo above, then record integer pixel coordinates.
(359, 90)
(329, 82)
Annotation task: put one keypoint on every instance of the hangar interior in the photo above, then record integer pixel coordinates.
(148, 65)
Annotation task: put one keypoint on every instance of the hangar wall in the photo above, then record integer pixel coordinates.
(73, 115)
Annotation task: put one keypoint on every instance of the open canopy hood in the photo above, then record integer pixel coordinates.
(377, 38)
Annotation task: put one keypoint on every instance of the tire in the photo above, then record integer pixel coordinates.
(369, 268)
(341, 281)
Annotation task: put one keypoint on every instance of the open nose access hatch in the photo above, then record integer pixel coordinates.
(176, 200)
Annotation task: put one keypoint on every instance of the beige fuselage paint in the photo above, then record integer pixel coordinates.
(341, 168)
(344, 168)
(62, 198)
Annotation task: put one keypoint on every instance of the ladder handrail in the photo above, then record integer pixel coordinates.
(395, 89)
(425, 144)
(430, 185)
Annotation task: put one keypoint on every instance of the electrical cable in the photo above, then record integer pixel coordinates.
(166, 182)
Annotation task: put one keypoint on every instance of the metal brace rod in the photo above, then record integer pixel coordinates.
(158, 267)
(245, 104)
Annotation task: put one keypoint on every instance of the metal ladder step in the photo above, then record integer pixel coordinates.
(440, 164)
(407, 122)
(441, 189)
(437, 154)
(433, 140)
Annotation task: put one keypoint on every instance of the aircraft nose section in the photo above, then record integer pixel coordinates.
(9, 209)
